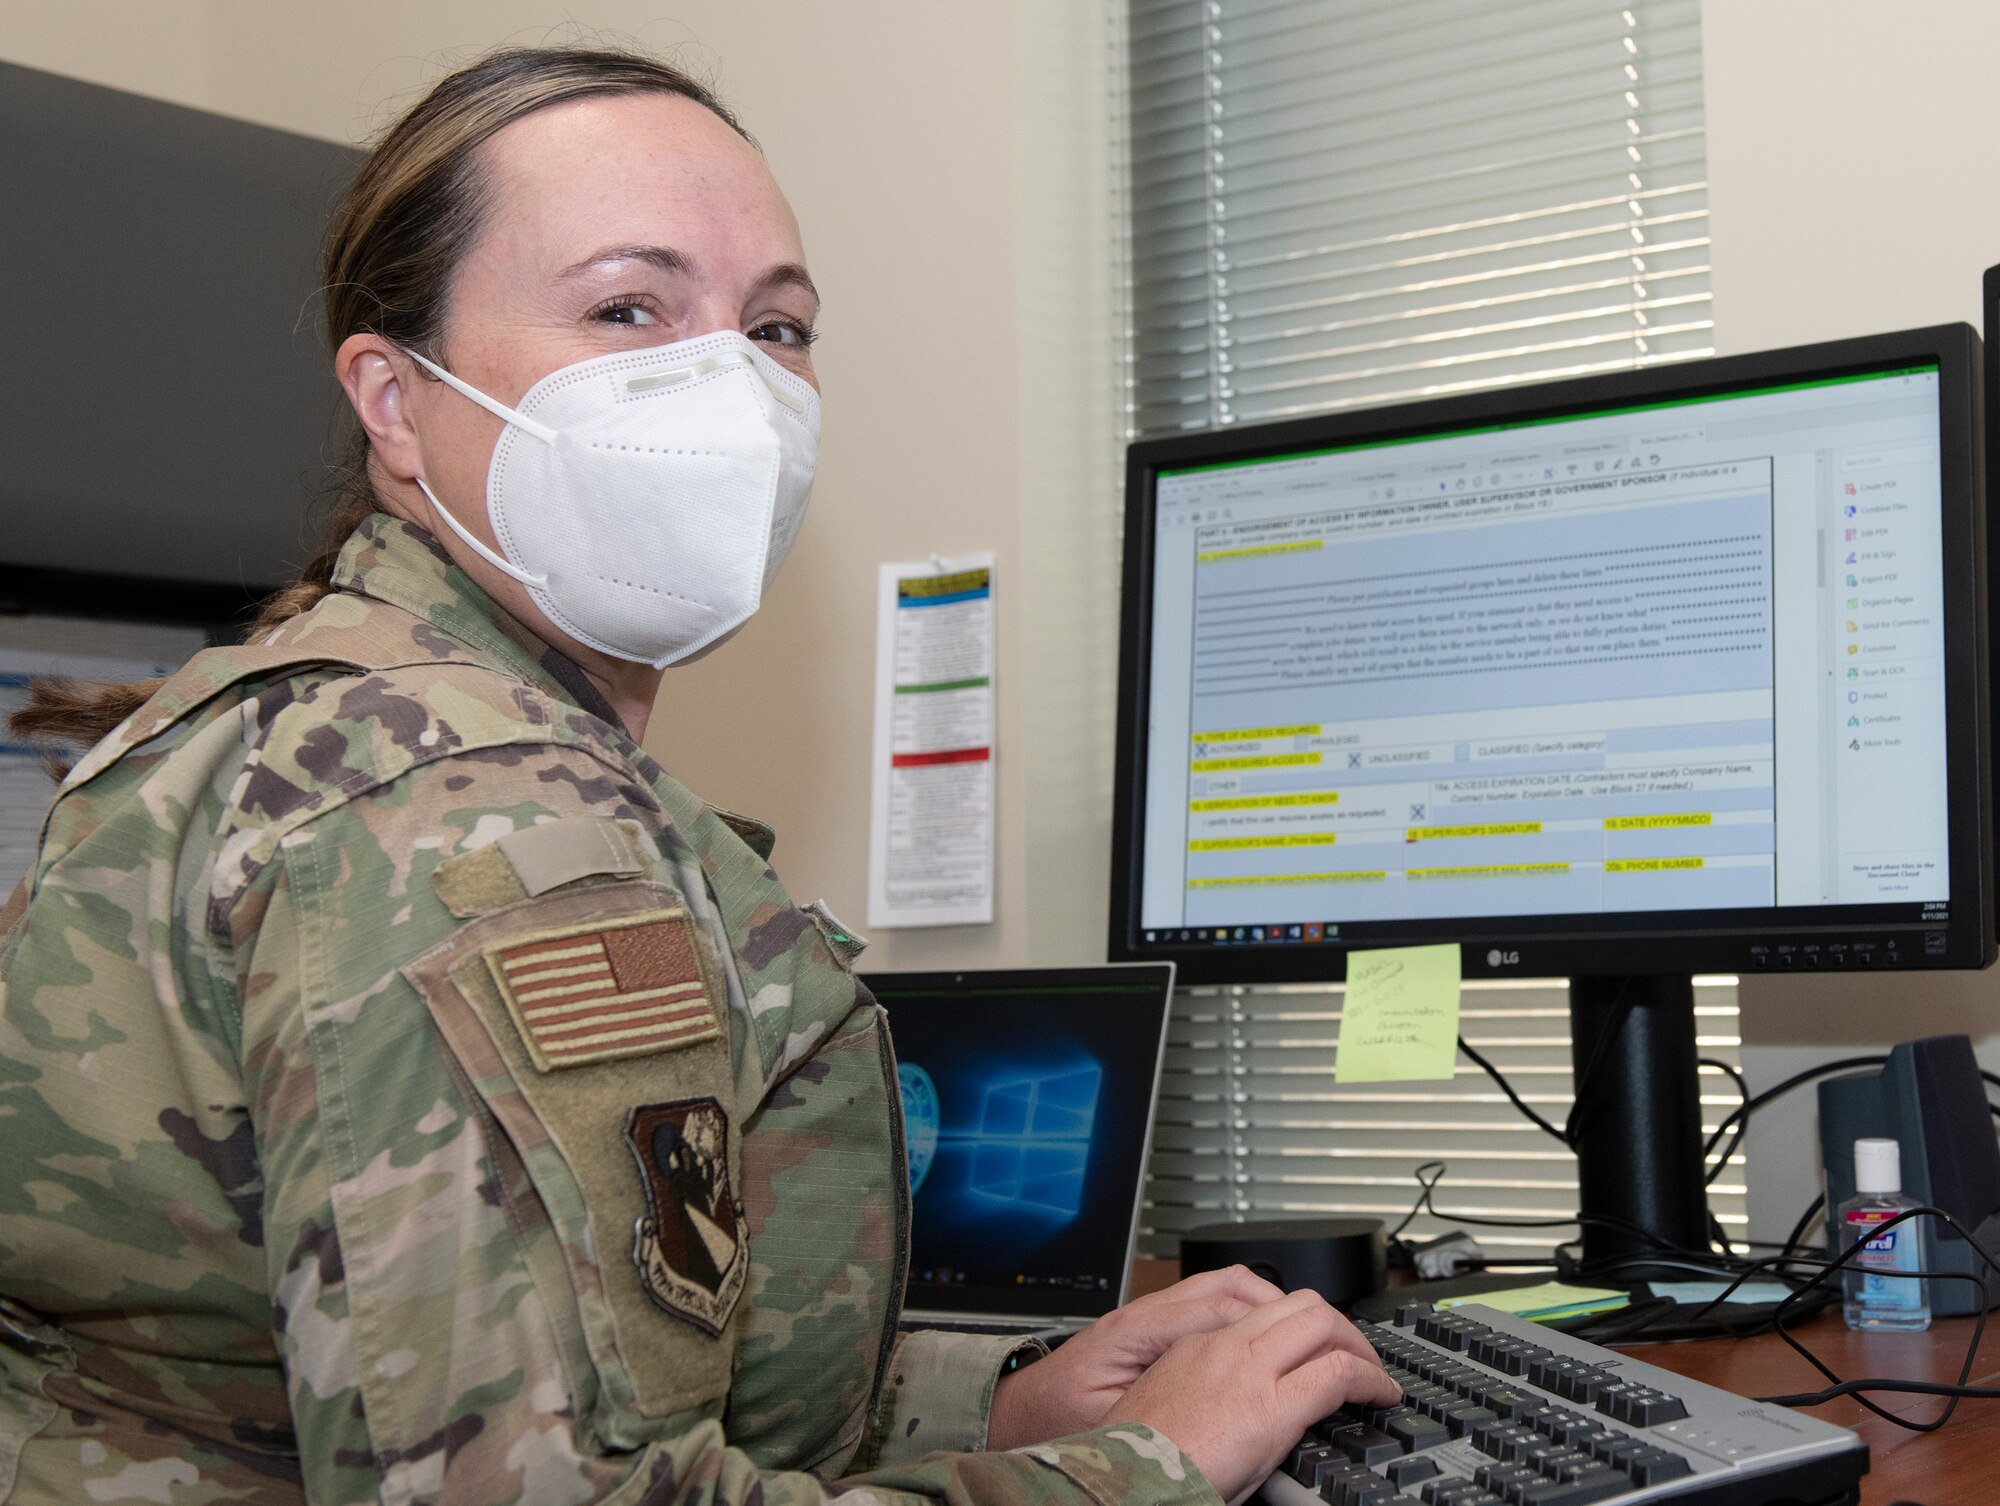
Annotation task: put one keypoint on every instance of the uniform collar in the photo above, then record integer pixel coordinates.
(395, 561)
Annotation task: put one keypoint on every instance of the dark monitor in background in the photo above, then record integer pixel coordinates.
(1619, 679)
(166, 403)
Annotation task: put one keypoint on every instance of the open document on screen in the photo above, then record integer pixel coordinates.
(1675, 657)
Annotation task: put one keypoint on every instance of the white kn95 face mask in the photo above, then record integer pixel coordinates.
(647, 499)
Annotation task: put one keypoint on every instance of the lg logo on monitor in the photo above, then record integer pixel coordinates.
(1498, 958)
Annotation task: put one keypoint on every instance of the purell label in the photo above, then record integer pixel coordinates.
(1861, 1220)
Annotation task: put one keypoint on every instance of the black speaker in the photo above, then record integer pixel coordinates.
(1931, 1100)
(1343, 1259)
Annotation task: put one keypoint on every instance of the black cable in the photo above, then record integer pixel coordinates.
(1805, 1221)
(1857, 1388)
(1428, 1186)
(1586, 1081)
(1716, 1232)
(1798, 1079)
(1508, 1088)
(1422, 1196)
(1742, 1108)
(1706, 1263)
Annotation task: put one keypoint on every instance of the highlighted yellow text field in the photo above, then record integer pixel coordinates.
(1257, 761)
(1265, 802)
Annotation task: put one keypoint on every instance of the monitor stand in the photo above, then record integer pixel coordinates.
(1638, 1140)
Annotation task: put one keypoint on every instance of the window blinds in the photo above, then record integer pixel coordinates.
(1335, 203)
(1251, 1125)
(1339, 202)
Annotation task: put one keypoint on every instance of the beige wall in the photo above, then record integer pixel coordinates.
(1850, 153)
(947, 166)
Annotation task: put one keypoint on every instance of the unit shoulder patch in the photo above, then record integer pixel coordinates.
(689, 1248)
(605, 990)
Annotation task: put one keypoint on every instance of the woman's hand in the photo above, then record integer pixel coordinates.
(1235, 1399)
(1074, 1387)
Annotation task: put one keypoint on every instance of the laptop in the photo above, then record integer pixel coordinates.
(1027, 1113)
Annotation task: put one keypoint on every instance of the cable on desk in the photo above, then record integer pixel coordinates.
(1954, 1393)
(1630, 1325)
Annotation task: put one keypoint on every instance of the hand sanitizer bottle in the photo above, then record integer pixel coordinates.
(1876, 1296)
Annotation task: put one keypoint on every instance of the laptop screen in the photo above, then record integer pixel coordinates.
(1027, 1104)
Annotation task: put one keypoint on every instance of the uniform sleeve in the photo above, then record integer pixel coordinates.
(939, 1393)
(437, 1304)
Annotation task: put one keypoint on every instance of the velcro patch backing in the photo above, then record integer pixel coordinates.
(599, 992)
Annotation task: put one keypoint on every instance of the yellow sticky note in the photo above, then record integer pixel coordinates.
(1551, 1298)
(1400, 1021)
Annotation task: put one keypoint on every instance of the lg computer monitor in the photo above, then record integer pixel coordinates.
(1621, 679)
(1656, 672)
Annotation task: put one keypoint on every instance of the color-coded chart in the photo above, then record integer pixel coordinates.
(931, 837)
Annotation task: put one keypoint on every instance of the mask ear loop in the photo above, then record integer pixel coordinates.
(498, 562)
(506, 415)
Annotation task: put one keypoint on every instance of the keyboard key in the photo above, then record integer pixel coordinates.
(1351, 1485)
(1439, 1329)
(1341, 1479)
(1582, 1491)
(1417, 1432)
(1537, 1454)
(1591, 1436)
(1655, 1466)
(1506, 1401)
(1568, 1463)
(1536, 1416)
(1413, 1470)
(1301, 1463)
(1640, 1405)
(1564, 1425)
(1658, 1407)
(1510, 1359)
(1504, 1479)
(1585, 1382)
(1365, 1444)
(1409, 1312)
(1457, 1493)
(1462, 1419)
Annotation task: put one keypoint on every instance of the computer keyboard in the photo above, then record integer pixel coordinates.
(1498, 1411)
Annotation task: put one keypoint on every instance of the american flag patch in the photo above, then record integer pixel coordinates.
(611, 989)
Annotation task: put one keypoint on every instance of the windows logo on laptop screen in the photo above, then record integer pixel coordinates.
(1027, 1100)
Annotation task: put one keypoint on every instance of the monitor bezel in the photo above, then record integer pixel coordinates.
(989, 1301)
(1615, 944)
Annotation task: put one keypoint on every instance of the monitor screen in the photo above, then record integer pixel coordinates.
(1027, 1104)
(1624, 660)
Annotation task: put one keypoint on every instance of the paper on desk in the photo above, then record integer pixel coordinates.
(1399, 1022)
(1699, 1293)
(1551, 1299)
(930, 840)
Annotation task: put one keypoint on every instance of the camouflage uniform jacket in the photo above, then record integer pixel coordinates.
(408, 1092)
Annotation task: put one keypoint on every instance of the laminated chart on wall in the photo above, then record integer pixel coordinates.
(82, 649)
(930, 859)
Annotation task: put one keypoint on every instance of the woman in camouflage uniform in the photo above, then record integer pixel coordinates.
(312, 1187)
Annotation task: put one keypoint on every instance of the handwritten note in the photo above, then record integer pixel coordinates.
(1400, 1020)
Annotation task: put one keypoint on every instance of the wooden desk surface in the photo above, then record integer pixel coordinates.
(1954, 1466)
(1957, 1466)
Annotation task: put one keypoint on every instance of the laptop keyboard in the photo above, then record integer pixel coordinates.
(1497, 1411)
